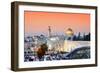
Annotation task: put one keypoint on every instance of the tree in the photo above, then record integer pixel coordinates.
(89, 36)
(74, 38)
(79, 36)
(86, 37)
(42, 50)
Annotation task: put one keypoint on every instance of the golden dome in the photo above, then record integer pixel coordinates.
(69, 32)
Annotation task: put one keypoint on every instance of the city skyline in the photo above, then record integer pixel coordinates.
(38, 22)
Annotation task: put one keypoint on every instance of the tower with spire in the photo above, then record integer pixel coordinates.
(49, 31)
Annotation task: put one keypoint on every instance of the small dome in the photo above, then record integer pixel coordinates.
(69, 32)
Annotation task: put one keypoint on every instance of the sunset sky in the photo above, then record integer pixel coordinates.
(38, 22)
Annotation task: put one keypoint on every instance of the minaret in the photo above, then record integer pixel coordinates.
(49, 31)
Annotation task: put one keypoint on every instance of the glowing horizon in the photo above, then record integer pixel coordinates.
(38, 22)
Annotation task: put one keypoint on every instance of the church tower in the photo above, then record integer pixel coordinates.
(49, 31)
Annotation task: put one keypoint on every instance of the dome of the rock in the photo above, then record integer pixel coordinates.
(69, 32)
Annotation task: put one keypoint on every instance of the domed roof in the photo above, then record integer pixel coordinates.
(69, 32)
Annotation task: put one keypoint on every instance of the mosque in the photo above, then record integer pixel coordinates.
(69, 33)
(56, 43)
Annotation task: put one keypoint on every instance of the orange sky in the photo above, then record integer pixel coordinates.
(38, 22)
